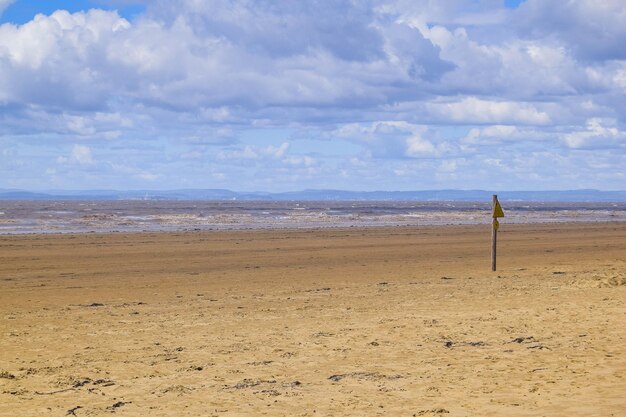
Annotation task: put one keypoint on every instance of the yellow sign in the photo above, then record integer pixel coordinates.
(496, 224)
(497, 210)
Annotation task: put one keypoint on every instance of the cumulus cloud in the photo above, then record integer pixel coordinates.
(305, 161)
(340, 27)
(494, 133)
(80, 155)
(394, 139)
(221, 58)
(58, 61)
(598, 134)
(472, 110)
(417, 146)
(593, 30)
(190, 54)
(391, 84)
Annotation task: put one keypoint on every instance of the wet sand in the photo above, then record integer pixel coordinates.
(403, 321)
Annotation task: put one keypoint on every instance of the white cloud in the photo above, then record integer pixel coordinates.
(247, 152)
(386, 139)
(374, 131)
(82, 154)
(472, 110)
(390, 139)
(398, 85)
(209, 56)
(357, 162)
(278, 151)
(417, 146)
(491, 135)
(594, 30)
(598, 134)
(305, 161)
(448, 166)
(206, 58)
(57, 61)
(512, 67)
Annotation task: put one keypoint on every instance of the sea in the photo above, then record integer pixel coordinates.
(75, 216)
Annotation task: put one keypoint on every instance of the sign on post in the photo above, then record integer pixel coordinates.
(496, 213)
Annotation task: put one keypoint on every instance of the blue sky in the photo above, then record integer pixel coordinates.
(23, 11)
(277, 96)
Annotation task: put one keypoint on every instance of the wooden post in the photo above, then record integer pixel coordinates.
(494, 234)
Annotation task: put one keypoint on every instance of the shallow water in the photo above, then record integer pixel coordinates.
(138, 215)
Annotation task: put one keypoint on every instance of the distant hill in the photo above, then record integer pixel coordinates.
(318, 195)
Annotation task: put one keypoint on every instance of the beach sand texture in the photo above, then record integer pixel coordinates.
(335, 322)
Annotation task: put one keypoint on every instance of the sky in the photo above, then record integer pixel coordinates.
(263, 95)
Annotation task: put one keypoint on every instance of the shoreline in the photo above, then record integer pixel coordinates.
(306, 228)
(124, 216)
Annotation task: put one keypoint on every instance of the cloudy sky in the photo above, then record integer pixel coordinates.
(288, 95)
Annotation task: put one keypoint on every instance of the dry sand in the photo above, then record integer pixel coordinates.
(334, 322)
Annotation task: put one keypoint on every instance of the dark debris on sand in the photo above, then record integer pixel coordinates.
(72, 411)
(449, 344)
(433, 411)
(117, 405)
(362, 375)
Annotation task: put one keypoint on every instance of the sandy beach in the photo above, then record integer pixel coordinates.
(405, 321)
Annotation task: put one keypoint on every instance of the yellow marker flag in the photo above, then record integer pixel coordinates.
(497, 210)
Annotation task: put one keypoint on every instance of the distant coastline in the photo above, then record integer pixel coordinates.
(583, 195)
